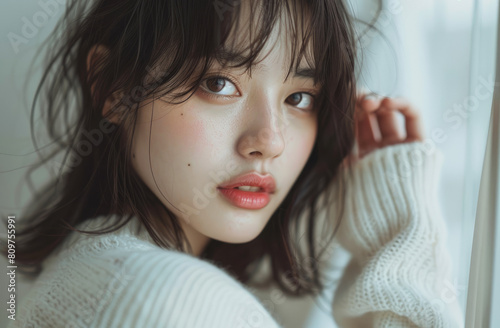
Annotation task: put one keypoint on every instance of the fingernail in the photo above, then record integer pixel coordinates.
(363, 90)
(372, 96)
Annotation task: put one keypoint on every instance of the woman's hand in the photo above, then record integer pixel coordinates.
(377, 124)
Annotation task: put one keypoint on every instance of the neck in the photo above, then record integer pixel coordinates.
(197, 240)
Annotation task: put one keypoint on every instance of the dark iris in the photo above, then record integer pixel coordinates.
(295, 99)
(216, 84)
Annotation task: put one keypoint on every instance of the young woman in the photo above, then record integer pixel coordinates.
(208, 137)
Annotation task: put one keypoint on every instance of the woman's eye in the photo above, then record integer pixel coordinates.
(301, 100)
(220, 86)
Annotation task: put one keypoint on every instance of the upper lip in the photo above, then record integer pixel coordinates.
(266, 182)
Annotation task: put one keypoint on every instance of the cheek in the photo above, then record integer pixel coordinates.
(301, 145)
(178, 148)
(180, 137)
(187, 134)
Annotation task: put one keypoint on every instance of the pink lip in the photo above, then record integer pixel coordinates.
(249, 199)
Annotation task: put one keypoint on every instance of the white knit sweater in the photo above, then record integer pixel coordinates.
(396, 277)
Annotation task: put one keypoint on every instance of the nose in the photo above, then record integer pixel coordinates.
(263, 136)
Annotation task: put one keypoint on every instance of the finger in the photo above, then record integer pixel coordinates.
(361, 93)
(365, 105)
(389, 127)
(369, 103)
(368, 135)
(413, 122)
(367, 132)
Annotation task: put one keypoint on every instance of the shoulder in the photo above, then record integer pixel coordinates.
(75, 281)
(145, 287)
(122, 280)
(168, 288)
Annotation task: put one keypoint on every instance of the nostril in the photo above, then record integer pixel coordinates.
(258, 153)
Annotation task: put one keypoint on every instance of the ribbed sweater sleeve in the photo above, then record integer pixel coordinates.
(178, 290)
(399, 273)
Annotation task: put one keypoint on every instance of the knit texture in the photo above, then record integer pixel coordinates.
(399, 275)
(392, 227)
(122, 280)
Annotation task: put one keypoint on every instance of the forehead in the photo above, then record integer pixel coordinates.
(255, 37)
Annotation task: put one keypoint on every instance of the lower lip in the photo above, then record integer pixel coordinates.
(246, 199)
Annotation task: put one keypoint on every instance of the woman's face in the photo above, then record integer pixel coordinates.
(233, 125)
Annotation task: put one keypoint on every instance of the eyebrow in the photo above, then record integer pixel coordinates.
(231, 57)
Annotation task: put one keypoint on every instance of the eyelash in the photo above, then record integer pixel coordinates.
(224, 97)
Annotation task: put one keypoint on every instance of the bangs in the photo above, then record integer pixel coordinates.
(249, 29)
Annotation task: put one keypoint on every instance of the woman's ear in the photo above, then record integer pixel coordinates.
(95, 57)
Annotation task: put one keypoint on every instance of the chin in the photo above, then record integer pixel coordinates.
(239, 239)
(239, 234)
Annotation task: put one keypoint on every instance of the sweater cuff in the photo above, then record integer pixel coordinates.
(390, 190)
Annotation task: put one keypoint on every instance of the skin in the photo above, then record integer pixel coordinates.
(250, 124)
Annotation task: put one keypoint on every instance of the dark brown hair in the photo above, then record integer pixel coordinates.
(181, 38)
